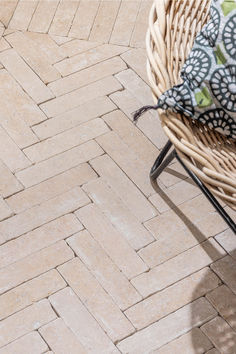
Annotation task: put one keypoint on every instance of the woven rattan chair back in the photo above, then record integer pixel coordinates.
(173, 25)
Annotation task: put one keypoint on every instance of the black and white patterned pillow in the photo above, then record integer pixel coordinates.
(208, 91)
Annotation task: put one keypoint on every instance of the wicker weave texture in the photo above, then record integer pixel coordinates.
(173, 25)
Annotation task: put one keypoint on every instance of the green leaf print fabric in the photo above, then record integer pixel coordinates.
(208, 91)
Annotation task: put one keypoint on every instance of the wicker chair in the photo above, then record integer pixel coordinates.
(208, 157)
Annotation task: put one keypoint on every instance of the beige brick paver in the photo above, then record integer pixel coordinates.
(30, 343)
(93, 258)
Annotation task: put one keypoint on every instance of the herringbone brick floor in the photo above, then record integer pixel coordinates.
(92, 258)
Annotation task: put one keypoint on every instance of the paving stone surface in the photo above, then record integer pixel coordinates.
(93, 258)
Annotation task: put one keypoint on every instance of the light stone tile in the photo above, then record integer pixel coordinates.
(60, 338)
(89, 58)
(59, 163)
(228, 241)
(80, 96)
(50, 188)
(172, 298)
(125, 22)
(77, 46)
(141, 25)
(111, 240)
(76, 116)
(4, 45)
(5, 210)
(118, 214)
(137, 170)
(30, 292)
(75, 315)
(87, 76)
(30, 343)
(168, 328)
(97, 301)
(38, 61)
(221, 335)
(38, 239)
(46, 45)
(40, 262)
(104, 21)
(149, 123)
(8, 182)
(7, 8)
(224, 300)
(132, 136)
(225, 268)
(136, 59)
(183, 265)
(84, 19)
(26, 321)
(105, 271)
(124, 188)
(10, 153)
(43, 16)
(23, 74)
(190, 343)
(13, 94)
(41, 214)
(63, 17)
(23, 14)
(66, 140)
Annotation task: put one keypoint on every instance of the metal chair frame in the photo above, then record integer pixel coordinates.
(164, 159)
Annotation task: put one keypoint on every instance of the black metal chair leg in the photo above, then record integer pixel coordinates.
(159, 165)
(163, 161)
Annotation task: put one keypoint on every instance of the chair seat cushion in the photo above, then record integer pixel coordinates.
(208, 90)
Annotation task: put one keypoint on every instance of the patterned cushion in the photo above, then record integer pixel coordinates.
(208, 91)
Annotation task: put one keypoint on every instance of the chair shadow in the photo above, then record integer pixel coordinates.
(223, 335)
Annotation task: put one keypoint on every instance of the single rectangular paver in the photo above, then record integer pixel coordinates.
(60, 338)
(89, 58)
(105, 271)
(76, 46)
(59, 163)
(66, 140)
(75, 315)
(118, 213)
(5, 210)
(25, 76)
(26, 321)
(221, 335)
(30, 343)
(28, 50)
(40, 262)
(172, 298)
(30, 219)
(30, 292)
(190, 343)
(96, 299)
(76, 116)
(82, 95)
(168, 328)
(50, 188)
(87, 76)
(113, 242)
(178, 267)
(38, 239)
